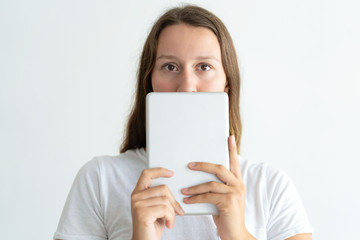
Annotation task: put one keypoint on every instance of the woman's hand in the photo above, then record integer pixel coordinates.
(228, 196)
(152, 208)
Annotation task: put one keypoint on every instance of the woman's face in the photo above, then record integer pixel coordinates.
(188, 59)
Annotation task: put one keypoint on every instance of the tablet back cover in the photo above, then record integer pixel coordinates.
(187, 127)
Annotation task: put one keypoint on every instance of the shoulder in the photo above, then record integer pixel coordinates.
(131, 158)
(265, 180)
(128, 163)
(272, 201)
(261, 171)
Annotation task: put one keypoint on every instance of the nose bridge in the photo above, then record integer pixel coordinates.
(187, 81)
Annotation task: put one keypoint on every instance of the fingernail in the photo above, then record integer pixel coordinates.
(170, 173)
(180, 211)
(185, 190)
(192, 164)
(232, 139)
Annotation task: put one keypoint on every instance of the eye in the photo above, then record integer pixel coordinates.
(205, 67)
(170, 67)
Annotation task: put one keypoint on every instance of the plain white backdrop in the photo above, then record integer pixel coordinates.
(68, 69)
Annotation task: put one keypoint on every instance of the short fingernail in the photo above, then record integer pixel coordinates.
(180, 211)
(169, 173)
(185, 190)
(192, 164)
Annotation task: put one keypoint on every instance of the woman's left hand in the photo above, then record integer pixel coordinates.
(228, 196)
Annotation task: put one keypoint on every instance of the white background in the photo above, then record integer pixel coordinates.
(67, 72)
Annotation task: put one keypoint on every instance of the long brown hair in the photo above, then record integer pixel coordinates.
(135, 135)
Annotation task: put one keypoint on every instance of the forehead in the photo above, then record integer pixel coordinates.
(184, 40)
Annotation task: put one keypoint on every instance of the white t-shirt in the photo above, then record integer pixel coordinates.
(99, 206)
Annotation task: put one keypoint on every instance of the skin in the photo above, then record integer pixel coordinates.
(189, 60)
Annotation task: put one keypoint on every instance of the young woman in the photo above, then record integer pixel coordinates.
(188, 50)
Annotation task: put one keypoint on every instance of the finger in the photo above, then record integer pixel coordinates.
(224, 202)
(150, 202)
(146, 177)
(218, 170)
(154, 209)
(234, 160)
(213, 198)
(162, 211)
(210, 187)
(159, 191)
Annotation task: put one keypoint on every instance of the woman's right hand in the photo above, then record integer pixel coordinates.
(153, 208)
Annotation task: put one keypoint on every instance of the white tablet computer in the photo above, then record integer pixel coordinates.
(187, 127)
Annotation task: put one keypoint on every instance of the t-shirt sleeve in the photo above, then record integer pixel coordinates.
(82, 216)
(287, 216)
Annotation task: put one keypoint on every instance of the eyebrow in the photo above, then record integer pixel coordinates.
(197, 58)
